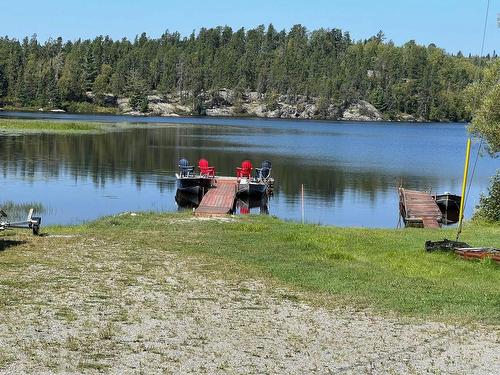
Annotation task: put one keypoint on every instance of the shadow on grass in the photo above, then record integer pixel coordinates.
(5, 244)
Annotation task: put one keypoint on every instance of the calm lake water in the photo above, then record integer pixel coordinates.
(350, 171)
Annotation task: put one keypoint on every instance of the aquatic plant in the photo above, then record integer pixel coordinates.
(18, 211)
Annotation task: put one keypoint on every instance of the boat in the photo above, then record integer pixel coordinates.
(248, 186)
(245, 203)
(258, 184)
(187, 200)
(448, 201)
(449, 204)
(189, 181)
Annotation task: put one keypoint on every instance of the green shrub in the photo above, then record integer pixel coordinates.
(271, 101)
(86, 107)
(139, 102)
(489, 205)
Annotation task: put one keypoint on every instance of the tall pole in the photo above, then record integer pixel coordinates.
(464, 188)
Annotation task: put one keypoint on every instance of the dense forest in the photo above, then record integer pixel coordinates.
(325, 64)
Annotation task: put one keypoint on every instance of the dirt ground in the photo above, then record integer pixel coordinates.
(78, 310)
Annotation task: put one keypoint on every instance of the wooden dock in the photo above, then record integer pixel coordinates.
(419, 209)
(219, 200)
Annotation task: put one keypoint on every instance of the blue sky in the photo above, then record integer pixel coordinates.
(453, 25)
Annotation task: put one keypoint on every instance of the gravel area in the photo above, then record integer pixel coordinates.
(98, 312)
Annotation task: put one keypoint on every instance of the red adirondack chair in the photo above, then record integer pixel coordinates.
(245, 170)
(205, 169)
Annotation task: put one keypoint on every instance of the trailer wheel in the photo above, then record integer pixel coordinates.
(36, 229)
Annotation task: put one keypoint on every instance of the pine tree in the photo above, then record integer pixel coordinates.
(90, 71)
(102, 84)
(137, 90)
(326, 63)
(3, 83)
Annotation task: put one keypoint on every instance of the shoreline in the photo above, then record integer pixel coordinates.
(50, 114)
(322, 251)
(164, 290)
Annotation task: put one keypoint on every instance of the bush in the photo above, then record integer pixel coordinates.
(271, 101)
(489, 206)
(86, 107)
(139, 102)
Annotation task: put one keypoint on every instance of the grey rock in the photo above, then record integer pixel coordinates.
(221, 111)
(362, 111)
(254, 96)
(123, 105)
(107, 99)
(405, 117)
(222, 103)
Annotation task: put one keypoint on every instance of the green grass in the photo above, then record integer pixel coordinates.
(49, 126)
(85, 107)
(383, 269)
(386, 270)
(71, 107)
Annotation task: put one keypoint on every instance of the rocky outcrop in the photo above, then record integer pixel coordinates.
(169, 107)
(227, 102)
(362, 111)
(108, 100)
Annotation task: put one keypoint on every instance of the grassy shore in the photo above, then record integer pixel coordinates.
(381, 269)
(50, 126)
(71, 107)
(171, 293)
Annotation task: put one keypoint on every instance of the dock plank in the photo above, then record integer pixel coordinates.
(419, 207)
(219, 200)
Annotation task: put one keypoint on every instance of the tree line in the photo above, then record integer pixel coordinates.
(325, 64)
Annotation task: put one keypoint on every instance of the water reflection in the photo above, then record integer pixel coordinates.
(350, 171)
(253, 204)
(187, 200)
(244, 205)
(152, 154)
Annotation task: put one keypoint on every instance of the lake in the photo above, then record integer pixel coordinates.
(350, 171)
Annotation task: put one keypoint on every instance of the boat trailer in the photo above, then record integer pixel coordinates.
(31, 222)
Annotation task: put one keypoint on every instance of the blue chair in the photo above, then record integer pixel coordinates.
(264, 172)
(186, 169)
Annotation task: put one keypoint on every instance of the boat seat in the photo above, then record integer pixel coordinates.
(205, 168)
(245, 170)
(264, 172)
(185, 168)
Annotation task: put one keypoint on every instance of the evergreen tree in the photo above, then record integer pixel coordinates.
(72, 84)
(137, 91)
(3, 82)
(89, 70)
(322, 65)
(102, 84)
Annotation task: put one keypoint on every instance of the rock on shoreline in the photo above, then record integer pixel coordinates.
(227, 103)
